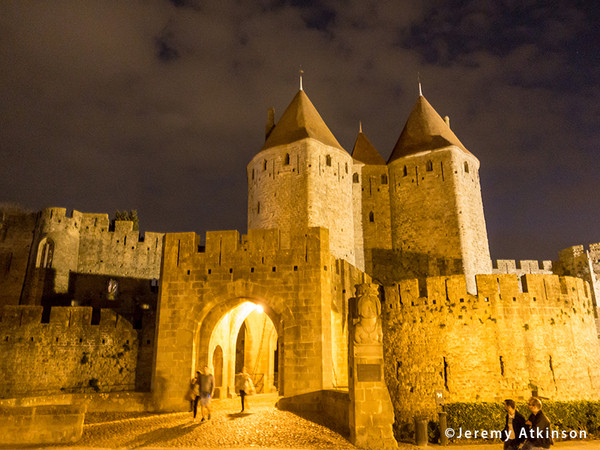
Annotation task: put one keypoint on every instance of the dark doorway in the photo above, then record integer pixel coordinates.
(276, 365)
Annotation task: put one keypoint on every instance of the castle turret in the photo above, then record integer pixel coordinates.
(436, 205)
(370, 186)
(302, 178)
(54, 254)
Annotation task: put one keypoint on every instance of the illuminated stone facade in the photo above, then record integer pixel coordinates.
(278, 300)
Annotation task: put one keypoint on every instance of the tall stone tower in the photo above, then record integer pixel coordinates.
(435, 198)
(370, 185)
(302, 178)
(54, 254)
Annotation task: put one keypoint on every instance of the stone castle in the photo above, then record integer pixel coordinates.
(125, 310)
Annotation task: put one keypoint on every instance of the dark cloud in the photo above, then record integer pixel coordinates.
(159, 105)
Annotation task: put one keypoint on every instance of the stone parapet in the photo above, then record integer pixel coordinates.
(522, 267)
(40, 425)
(67, 354)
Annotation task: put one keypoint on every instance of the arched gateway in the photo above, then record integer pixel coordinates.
(245, 336)
(209, 291)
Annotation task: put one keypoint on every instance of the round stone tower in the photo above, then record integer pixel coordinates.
(435, 197)
(302, 177)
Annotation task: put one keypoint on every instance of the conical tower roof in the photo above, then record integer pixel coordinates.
(300, 120)
(424, 130)
(365, 152)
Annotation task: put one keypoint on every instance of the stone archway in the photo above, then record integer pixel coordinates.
(244, 320)
(185, 326)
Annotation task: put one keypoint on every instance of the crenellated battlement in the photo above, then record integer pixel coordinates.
(223, 250)
(24, 316)
(96, 225)
(504, 290)
(58, 220)
(522, 267)
(91, 222)
(574, 251)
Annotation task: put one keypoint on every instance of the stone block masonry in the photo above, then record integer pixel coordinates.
(66, 355)
(16, 232)
(437, 210)
(85, 243)
(41, 424)
(304, 184)
(519, 338)
(300, 285)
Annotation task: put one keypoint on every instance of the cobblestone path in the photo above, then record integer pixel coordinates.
(262, 426)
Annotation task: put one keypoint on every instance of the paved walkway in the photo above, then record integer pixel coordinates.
(263, 426)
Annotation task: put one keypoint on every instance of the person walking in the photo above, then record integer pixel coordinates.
(515, 422)
(206, 388)
(244, 386)
(539, 425)
(195, 393)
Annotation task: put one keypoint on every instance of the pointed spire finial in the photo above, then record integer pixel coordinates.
(419, 80)
(301, 72)
(360, 126)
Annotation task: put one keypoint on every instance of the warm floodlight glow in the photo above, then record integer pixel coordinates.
(259, 309)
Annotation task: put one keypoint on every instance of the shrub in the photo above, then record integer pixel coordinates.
(563, 415)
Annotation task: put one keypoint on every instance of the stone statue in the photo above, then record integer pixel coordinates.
(368, 325)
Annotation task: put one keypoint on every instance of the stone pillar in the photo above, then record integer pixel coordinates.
(371, 411)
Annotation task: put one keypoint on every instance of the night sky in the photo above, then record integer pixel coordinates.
(159, 105)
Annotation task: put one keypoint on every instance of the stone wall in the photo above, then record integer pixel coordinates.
(577, 261)
(56, 247)
(345, 277)
(522, 267)
(390, 266)
(518, 338)
(35, 425)
(68, 354)
(123, 252)
(313, 190)
(294, 278)
(16, 235)
(375, 211)
(437, 211)
(357, 193)
(84, 243)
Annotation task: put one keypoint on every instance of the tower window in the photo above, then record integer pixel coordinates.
(328, 160)
(404, 171)
(258, 208)
(466, 167)
(371, 217)
(45, 253)
(265, 164)
(286, 160)
(429, 167)
(384, 179)
(253, 174)
(355, 178)
(346, 167)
